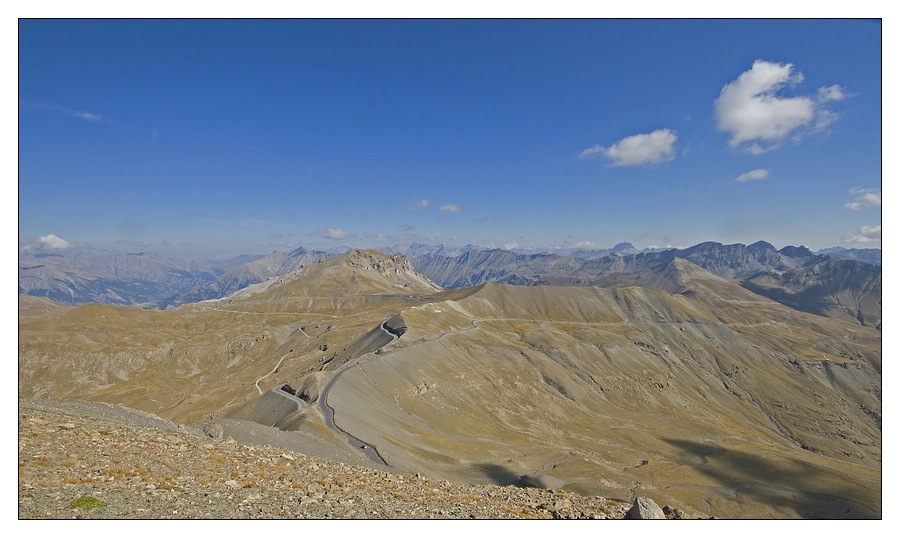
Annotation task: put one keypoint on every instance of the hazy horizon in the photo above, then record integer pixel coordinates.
(52, 244)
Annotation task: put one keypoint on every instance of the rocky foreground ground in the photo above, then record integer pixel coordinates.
(74, 465)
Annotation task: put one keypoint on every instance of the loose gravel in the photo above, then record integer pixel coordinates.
(74, 465)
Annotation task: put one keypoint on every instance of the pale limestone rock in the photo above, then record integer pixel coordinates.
(645, 508)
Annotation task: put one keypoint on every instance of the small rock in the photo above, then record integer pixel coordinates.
(676, 513)
(213, 430)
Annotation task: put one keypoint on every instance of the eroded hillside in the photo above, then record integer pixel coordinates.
(736, 409)
(695, 391)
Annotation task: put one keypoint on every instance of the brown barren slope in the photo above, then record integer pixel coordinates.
(706, 396)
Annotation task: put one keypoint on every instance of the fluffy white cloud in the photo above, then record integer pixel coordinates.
(871, 231)
(863, 198)
(450, 208)
(638, 150)
(52, 242)
(758, 118)
(831, 93)
(865, 234)
(418, 206)
(753, 175)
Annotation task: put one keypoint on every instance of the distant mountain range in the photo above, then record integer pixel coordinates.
(835, 282)
(691, 386)
(475, 266)
(77, 276)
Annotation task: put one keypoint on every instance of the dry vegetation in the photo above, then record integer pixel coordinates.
(709, 398)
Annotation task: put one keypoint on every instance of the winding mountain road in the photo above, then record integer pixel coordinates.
(275, 369)
(328, 412)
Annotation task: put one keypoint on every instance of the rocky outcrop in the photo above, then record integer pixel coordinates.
(645, 508)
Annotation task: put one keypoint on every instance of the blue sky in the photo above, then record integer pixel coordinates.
(198, 138)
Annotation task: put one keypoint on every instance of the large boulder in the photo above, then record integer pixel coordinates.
(645, 508)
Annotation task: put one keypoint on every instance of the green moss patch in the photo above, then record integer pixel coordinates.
(87, 503)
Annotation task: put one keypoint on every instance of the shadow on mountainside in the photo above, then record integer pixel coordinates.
(810, 490)
(810, 301)
(502, 476)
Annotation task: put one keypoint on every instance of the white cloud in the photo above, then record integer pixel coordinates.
(753, 175)
(591, 151)
(638, 150)
(85, 115)
(418, 206)
(831, 93)
(871, 231)
(80, 114)
(52, 242)
(758, 118)
(332, 233)
(865, 234)
(863, 198)
(450, 208)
